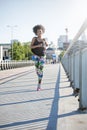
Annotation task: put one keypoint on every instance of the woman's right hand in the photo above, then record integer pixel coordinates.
(40, 45)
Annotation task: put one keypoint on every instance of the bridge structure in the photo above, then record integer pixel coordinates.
(61, 102)
(75, 64)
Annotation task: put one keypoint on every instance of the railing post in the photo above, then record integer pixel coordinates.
(14, 64)
(1, 65)
(70, 71)
(83, 81)
(69, 66)
(73, 83)
(80, 78)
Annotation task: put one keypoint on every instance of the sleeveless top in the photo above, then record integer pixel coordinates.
(39, 51)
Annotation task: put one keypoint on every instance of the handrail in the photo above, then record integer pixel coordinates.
(81, 30)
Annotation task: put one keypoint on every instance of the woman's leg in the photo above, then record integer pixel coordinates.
(40, 75)
(39, 71)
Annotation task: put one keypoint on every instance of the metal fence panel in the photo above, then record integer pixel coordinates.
(76, 82)
(72, 67)
(84, 78)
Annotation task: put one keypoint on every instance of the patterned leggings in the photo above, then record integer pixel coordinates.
(39, 64)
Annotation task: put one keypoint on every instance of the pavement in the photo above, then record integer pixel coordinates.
(52, 108)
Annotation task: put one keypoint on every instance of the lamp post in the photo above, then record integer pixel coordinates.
(12, 29)
(66, 29)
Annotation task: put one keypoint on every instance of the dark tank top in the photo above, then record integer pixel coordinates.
(39, 51)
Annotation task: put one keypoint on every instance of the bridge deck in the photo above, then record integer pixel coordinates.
(52, 108)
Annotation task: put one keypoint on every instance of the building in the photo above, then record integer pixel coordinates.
(62, 42)
(49, 52)
(66, 45)
(14, 40)
(4, 51)
(1, 53)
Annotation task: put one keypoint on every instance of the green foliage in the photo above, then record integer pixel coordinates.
(21, 51)
(27, 51)
(61, 54)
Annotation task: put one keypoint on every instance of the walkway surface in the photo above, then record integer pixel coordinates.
(52, 108)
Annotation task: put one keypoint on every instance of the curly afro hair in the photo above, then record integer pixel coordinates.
(35, 28)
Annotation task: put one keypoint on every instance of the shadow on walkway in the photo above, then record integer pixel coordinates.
(52, 124)
(15, 76)
(28, 101)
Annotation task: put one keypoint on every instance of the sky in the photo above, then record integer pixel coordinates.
(54, 15)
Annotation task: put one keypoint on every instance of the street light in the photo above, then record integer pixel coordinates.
(66, 29)
(12, 29)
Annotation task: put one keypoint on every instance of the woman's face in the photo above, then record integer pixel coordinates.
(39, 32)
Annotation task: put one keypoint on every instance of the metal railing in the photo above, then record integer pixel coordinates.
(75, 64)
(4, 65)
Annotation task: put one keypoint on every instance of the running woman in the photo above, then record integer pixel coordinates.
(38, 47)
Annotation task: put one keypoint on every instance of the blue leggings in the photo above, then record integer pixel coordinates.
(39, 64)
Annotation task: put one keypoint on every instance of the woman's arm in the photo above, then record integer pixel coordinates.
(46, 42)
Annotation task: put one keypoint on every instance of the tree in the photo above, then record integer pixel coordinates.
(27, 51)
(18, 51)
(61, 54)
(21, 51)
